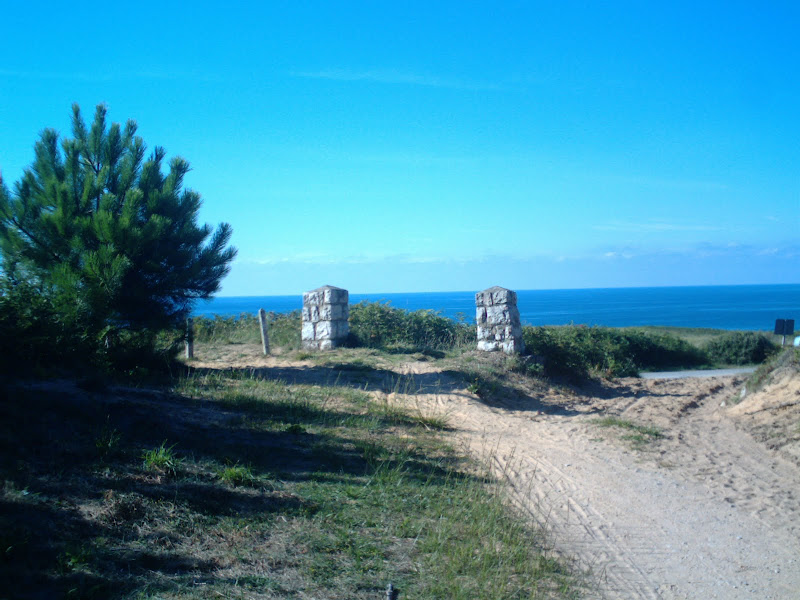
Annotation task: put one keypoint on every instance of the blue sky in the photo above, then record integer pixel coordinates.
(392, 147)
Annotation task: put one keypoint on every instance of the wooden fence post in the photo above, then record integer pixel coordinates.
(262, 320)
(189, 338)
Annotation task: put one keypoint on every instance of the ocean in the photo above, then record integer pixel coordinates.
(747, 307)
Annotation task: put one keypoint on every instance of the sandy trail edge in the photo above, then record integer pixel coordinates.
(706, 512)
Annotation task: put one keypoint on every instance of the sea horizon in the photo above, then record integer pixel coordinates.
(734, 307)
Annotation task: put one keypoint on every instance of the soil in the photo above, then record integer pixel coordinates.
(710, 509)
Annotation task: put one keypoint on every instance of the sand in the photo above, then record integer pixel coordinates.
(705, 512)
(710, 510)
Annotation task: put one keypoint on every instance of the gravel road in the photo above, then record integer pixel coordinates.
(710, 373)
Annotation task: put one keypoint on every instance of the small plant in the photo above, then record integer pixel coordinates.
(237, 475)
(73, 559)
(107, 443)
(431, 422)
(639, 435)
(162, 459)
(475, 387)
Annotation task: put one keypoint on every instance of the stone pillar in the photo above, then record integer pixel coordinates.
(497, 316)
(325, 314)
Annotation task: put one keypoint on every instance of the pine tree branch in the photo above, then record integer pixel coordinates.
(33, 238)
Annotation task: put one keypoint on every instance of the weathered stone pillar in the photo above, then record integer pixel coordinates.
(497, 316)
(325, 314)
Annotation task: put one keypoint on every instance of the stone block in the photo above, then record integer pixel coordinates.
(323, 330)
(504, 297)
(325, 314)
(498, 314)
(498, 321)
(336, 296)
(313, 298)
(334, 312)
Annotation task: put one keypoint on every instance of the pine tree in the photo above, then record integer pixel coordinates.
(110, 239)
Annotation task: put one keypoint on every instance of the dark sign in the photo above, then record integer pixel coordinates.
(784, 326)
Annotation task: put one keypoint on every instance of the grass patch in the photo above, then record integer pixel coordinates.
(283, 330)
(699, 337)
(786, 358)
(237, 474)
(638, 435)
(162, 459)
(279, 490)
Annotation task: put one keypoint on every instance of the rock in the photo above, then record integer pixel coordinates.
(497, 316)
(325, 318)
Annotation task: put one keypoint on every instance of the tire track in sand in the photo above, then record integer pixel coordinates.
(706, 513)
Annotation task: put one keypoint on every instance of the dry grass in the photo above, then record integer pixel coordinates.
(240, 486)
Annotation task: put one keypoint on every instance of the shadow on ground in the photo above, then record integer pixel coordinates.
(494, 391)
(72, 506)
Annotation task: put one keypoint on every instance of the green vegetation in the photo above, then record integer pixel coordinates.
(162, 459)
(786, 358)
(698, 337)
(740, 348)
(240, 474)
(283, 330)
(574, 353)
(107, 247)
(274, 490)
(578, 352)
(638, 435)
(379, 325)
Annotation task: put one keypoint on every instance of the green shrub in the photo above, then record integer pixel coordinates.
(740, 348)
(34, 335)
(283, 329)
(239, 329)
(577, 352)
(379, 325)
(40, 337)
(559, 352)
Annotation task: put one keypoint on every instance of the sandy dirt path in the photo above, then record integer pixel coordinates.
(704, 512)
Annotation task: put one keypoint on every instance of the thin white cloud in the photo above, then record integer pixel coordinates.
(110, 76)
(396, 78)
(660, 182)
(74, 76)
(653, 227)
(606, 253)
